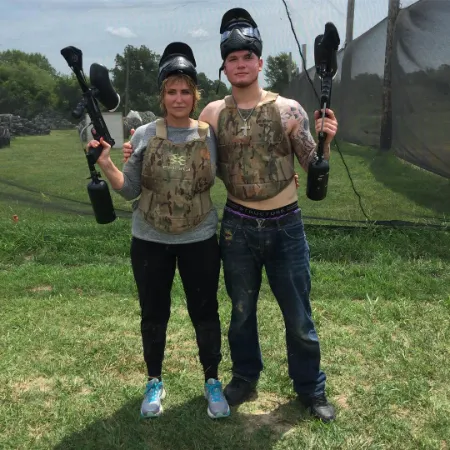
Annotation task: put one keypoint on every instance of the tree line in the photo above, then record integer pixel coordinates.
(29, 85)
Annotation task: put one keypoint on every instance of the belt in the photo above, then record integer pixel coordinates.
(237, 218)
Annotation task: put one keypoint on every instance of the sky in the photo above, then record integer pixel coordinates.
(102, 28)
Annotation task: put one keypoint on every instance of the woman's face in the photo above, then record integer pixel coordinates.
(178, 98)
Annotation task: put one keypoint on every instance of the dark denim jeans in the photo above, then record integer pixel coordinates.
(281, 247)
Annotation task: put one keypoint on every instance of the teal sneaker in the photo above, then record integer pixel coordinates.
(151, 405)
(217, 403)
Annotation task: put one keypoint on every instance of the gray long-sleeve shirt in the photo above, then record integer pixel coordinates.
(131, 189)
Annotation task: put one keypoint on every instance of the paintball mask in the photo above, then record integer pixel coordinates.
(177, 58)
(239, 31)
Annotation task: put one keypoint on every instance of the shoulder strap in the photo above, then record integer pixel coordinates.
(161, 130)
(203, 128)
(269, 98)
(229, 102)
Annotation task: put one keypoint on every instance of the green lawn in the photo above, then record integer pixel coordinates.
(51, 171)
(71, 369)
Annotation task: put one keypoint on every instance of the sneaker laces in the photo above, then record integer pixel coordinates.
(215, 391)
(152, 392)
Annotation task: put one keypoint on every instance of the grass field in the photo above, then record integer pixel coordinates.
(71, 369)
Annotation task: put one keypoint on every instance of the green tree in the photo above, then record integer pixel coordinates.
(68, 94)
(143, 92)
(209, 92)
(277, 72)
(13, 57)
(142, 66)
(26, 89)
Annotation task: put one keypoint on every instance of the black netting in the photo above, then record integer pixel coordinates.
(408, 183)
(405, 175)
(421, 86)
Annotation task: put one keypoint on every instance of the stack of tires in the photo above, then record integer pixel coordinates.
(5, 137)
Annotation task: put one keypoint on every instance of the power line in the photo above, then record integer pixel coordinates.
(335, 141)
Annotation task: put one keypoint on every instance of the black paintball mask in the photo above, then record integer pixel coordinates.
(238, 31)
(177, 58)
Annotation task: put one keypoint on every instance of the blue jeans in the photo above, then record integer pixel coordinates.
(280, 246)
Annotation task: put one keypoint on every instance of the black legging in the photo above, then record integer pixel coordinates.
(154, 267)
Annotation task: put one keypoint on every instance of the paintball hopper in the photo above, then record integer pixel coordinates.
(102, 88)
(325, 51)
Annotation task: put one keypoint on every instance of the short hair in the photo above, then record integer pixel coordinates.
(179, 77)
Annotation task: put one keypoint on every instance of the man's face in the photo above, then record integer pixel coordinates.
(242, 68)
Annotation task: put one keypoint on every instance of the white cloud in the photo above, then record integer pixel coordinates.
(123, 32)
(199, 33)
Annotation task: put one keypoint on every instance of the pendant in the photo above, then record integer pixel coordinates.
(245, 128)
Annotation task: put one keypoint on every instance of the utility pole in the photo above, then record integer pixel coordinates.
(350, 20)
(290, 68)
(305, 63)
(386, 118)
(346, 77)
(127, 82)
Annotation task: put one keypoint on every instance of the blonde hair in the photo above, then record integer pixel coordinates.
(192, 87)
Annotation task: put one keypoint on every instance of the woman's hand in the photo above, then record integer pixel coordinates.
(105, 156)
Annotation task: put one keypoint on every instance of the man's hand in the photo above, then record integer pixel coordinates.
(127, 149)
(296, 181)
(330, 124)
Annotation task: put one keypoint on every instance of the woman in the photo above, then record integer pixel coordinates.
(172, 168)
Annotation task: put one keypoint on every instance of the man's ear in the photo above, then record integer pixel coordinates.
(261, 62)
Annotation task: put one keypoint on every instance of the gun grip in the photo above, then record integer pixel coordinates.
(93, 154)
(323, 116)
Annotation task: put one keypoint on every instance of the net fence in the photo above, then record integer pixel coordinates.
(42, 166)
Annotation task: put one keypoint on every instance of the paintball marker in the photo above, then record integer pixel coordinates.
(102, 91)
(325, 49)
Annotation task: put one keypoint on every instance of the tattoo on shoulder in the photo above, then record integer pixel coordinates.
(292, 114)
(296, 123)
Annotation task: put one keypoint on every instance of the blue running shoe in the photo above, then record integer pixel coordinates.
(217, 403)
(151, 405)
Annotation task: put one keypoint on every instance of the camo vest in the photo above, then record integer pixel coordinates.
(255, 163)
(176, 179)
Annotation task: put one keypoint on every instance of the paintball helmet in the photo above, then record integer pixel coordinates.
(177, 58)
(238, 31)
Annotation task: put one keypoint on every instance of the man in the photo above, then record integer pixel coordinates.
(258, 134)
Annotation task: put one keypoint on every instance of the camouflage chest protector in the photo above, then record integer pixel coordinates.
(176, 179)
(255, 163)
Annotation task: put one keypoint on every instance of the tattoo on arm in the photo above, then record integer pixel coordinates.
(302, 142)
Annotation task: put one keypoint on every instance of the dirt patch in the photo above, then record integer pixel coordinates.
(40, 384)
(275, 423)
(342, 401)
(43, 288)
(38, 432)
(132, 377)
(268, 410)
(85, 391)
(399, 413)
(49, 386)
